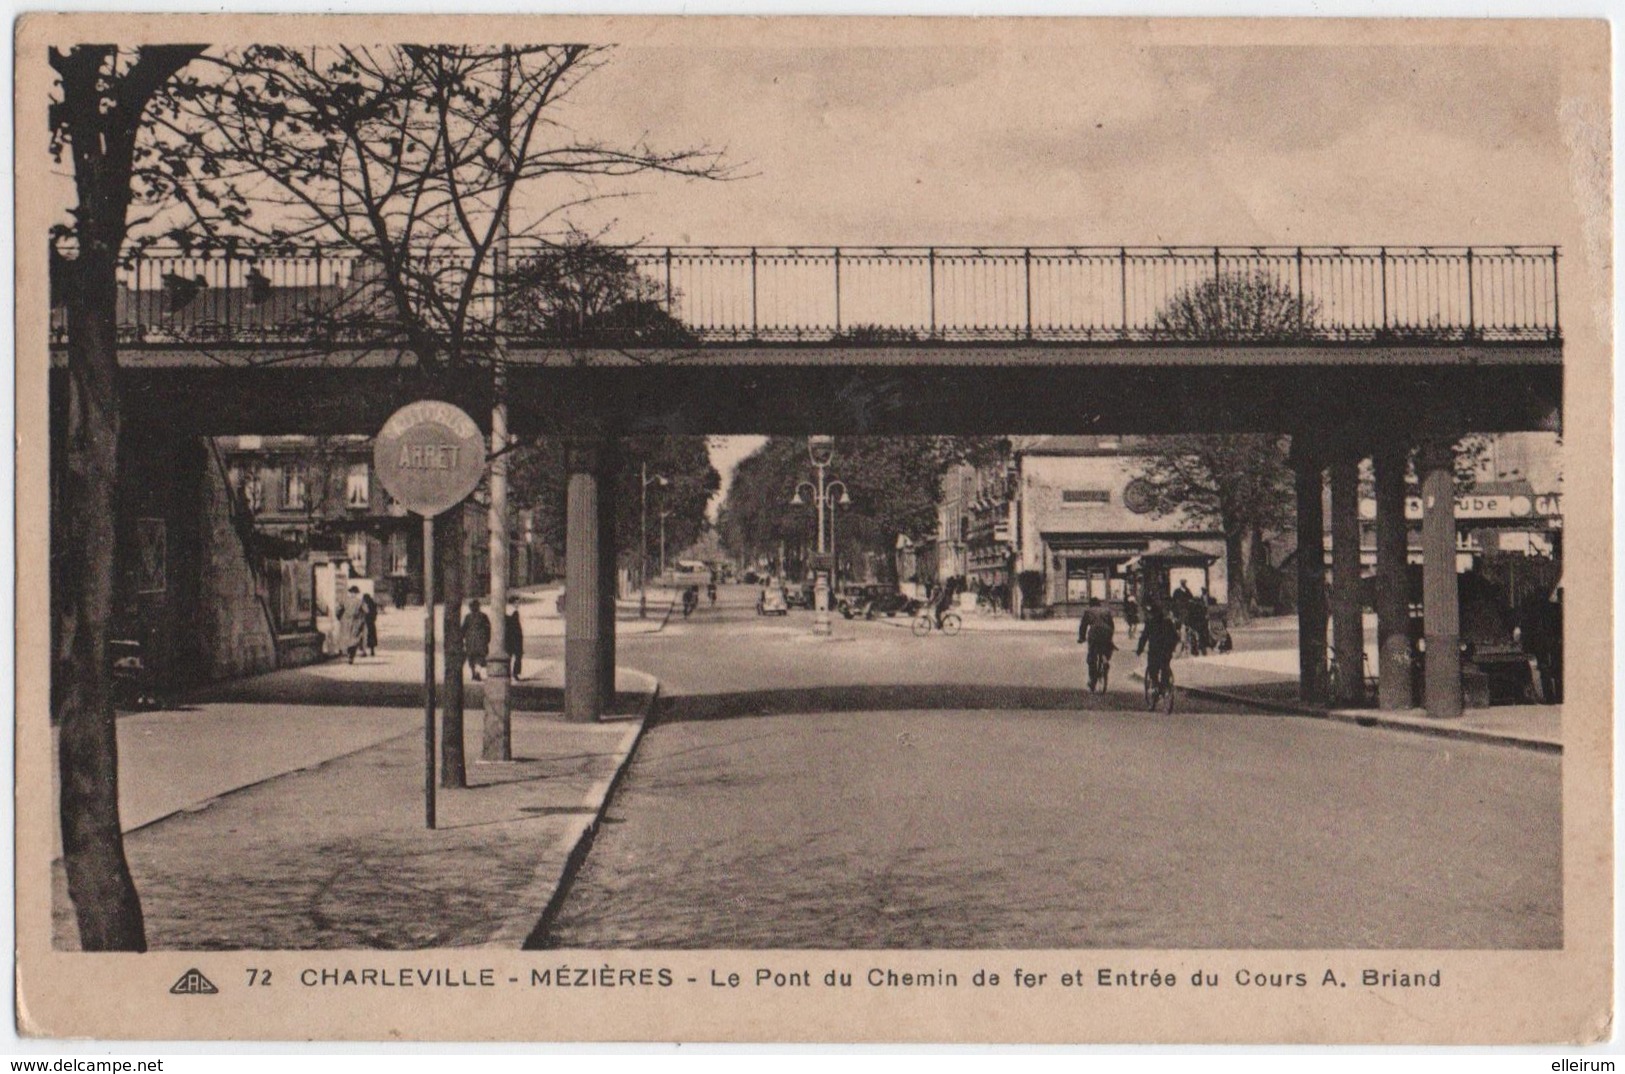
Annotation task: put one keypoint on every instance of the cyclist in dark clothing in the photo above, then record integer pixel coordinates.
(943, 601)
(1158, 641)
(1096, 628)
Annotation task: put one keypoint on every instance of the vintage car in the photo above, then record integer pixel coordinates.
(890, 604)
(772, 601)
(799, 596)
(854, 596)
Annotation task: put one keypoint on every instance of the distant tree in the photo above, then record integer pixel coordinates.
(894, 483)
(97, 121)
(1238, 307)
(537, 481)
(1241, 485)
(579, 290)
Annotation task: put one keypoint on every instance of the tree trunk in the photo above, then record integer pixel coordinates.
(449, 540)
(99, 116)
(1241, 566)
(99, 883)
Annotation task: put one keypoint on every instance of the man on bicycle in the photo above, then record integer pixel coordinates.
(1158, 641)
(1096, 628)
(942, 602)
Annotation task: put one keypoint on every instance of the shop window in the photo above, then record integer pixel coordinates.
(253, 491)
(294, 495)
(358, 486)
(355, 546)
(398, 562)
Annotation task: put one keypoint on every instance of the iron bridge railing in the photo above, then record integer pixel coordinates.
(898, 295)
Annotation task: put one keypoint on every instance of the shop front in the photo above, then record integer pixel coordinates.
(1081, 570)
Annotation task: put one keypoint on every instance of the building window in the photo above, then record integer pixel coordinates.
(355, 546)
(398, 562)
(1085, 496)
(253, 491)
(358, 486)
(293, 489)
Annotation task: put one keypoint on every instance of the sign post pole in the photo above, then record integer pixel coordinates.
(428, 671)
(429, 456)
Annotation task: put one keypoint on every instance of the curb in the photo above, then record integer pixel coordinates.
(535, 938)
(902, 623)
(1369, 719)
(664, 617)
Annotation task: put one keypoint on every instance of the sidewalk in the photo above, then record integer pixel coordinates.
(538, 615)
(1268, 678)
(1262, 672)
(263, 815)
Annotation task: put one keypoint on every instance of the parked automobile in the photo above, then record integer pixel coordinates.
(800, 596)
(854, 597)
(772, 602)
(891, 604)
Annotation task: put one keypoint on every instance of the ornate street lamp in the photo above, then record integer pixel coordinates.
(643, 549)
(821, 450)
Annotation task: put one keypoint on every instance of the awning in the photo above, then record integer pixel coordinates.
(1095, 554)
(1180, 554)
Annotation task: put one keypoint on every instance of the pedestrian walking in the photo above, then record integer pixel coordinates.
(1131, 616)
(369, 616)
(352, 623)
(514, 637)
(1196, 623)
(1540, 632)
(476, 639)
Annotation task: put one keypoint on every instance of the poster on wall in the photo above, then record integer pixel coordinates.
(152, 554)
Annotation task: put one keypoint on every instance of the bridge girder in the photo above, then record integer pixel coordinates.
(894, 390)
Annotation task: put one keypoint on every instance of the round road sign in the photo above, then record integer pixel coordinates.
(430, 456)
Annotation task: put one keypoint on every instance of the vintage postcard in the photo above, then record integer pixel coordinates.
(844, 530)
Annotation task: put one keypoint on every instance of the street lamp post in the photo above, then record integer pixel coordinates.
(821, 449)
(663, 516)
(643, 548)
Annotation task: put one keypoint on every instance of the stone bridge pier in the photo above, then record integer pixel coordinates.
(1317, 456)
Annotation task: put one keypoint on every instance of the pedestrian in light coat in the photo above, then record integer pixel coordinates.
(352, 623)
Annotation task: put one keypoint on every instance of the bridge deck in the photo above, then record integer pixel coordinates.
(688, 296)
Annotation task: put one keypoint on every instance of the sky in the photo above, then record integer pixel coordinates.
(1027, 144)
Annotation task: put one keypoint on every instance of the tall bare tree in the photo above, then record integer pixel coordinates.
(97, 121)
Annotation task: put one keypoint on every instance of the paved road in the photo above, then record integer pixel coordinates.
(892, 791)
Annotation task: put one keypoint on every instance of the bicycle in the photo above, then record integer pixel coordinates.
(1100, 669)
(924, 624)
(1159, 690)
(1333, 670)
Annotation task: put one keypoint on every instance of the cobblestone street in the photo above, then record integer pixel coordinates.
(1088, 823)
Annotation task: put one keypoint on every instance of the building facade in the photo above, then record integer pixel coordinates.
(1084, 528)
(1058, 520)
(323, 522)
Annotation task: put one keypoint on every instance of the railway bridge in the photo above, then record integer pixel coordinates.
(1356, 352)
